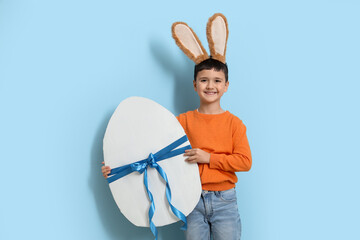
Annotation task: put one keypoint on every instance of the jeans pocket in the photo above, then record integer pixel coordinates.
(228, 195)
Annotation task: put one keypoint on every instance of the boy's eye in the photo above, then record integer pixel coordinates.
(203, 80)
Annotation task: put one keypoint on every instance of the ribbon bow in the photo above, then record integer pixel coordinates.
(141, 167)
(151, 161)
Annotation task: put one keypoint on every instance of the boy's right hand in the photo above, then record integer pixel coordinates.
(105, 170)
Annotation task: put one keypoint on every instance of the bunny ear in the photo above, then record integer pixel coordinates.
(188, 42)
(217, 34)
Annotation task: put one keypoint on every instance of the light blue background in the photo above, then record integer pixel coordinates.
(294, 81)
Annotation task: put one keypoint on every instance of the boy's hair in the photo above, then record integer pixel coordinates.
(209, 64)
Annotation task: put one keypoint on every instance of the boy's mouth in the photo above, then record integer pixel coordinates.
(210, 92)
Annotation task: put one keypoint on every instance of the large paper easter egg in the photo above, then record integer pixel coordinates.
(138, 127)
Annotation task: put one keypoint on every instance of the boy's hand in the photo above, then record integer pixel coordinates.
(197, 155)
(105, 170)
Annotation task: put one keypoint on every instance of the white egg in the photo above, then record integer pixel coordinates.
(138, 127)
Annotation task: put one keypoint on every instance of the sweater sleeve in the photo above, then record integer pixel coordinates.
(182, 120)
(240, 158)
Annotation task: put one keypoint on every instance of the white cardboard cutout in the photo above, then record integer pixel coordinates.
(138, 127)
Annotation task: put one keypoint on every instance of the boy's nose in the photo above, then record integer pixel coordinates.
(209, 85)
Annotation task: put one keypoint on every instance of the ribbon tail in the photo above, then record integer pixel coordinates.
(152, 207)
(175, 211)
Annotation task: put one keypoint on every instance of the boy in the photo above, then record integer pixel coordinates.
(220, 146)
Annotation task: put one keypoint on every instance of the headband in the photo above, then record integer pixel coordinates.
(217, 33)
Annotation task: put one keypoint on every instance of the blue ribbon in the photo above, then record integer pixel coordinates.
(151, 161)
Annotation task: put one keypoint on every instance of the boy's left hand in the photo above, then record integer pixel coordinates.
(197, 155)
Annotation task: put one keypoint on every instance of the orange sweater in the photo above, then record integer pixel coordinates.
(224, 137)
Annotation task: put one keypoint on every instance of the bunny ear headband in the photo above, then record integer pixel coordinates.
(217, 34)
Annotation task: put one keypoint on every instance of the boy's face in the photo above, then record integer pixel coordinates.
(210, 85)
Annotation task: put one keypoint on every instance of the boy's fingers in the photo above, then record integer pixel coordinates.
(190, 159)
(190, 153)
(194, 161)
(191, 150)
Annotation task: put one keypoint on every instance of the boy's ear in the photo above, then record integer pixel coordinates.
(226, 86)
(194, 83)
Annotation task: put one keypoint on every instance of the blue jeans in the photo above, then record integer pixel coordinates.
(216, 217)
